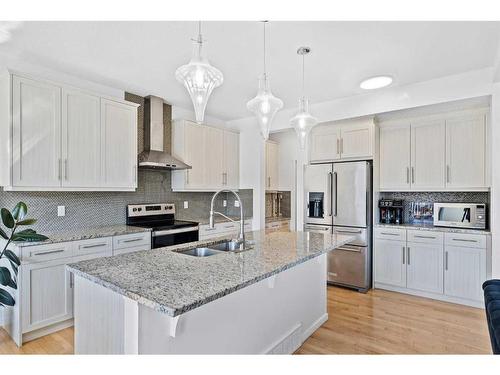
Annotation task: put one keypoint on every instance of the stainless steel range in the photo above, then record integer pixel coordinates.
(166, 231)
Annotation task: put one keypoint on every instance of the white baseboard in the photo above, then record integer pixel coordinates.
(439, 297)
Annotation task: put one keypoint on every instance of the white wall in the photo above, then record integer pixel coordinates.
(495, 181)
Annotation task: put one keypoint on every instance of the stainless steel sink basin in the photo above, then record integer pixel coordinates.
(199, 252)
(231, 246)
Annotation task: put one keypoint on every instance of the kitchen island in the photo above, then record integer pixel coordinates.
(268, 299)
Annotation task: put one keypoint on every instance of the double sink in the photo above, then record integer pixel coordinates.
(226, 246)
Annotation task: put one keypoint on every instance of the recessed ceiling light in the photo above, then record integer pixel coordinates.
(375, 82)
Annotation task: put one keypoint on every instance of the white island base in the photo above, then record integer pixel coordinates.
(275, 315)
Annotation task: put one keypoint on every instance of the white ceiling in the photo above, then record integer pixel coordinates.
(142, 56)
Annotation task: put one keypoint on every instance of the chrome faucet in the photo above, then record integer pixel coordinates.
(241, 236)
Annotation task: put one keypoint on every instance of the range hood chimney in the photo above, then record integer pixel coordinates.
(154, 155)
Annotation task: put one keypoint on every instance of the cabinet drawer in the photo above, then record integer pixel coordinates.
(465, 240)
(93, 246)
(422, 236)
(43, 253)
(390, 234)
(132, 240)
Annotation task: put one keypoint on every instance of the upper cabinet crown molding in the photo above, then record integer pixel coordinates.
(342, 140)
(213, 154)
(445, 152)
(60, 138)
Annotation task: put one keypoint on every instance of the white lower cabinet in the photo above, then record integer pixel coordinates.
(429, 264)
(424, 267)
(45, 295)
(465, 271)
(390, 265)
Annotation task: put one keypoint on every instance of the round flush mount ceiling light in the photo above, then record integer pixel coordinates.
(376, 82)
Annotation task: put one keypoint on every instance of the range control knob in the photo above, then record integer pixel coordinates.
(139, 209)
(134, 209)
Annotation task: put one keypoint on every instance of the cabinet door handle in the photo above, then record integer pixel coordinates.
(187, 177)
(269, 181)
(341, 145)
(447, 173)
(71, 280)
(48, 252)
(389, 234)
(66, 169)
(59, 167)
(446, 261)
(403, 255)
(412, 175)
(338, 146)
(134, 171)
(408, 256)
(132, 240)
(463, 240)
(407, 175)
(92, 246)
(420, 236)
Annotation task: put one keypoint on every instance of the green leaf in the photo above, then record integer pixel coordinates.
(7, 218)
(26, 222)
(6, 298)
(19, 212)
(5, 278)
(12, 284)
(3, 234)
(14, 267)
(12, 257)
(28, 237)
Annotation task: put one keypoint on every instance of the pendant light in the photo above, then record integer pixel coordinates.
(303, 122)
(199, 77)
(265, 105)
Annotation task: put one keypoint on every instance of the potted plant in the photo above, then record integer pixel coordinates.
(12, 221)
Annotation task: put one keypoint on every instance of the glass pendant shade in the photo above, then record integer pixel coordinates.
(264, 106)
(199, 78)
(303, 122)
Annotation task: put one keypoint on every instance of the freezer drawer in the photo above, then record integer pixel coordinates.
(349, 266)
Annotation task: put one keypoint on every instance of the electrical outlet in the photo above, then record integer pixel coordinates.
(224, 203)
(236, 204)
(186, 204)
(61, 210)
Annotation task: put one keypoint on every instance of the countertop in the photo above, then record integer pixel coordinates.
(174, 283)
(431, 227)
(84, 234)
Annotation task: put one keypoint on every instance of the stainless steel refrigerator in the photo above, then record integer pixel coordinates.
(338, 199)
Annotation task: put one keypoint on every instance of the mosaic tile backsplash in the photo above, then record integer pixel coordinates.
(410, 199)
(94, 209)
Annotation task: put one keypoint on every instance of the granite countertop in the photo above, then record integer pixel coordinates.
(84, 234)
(174, 283)
(431, 227)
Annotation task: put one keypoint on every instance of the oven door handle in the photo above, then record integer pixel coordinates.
(173, 231)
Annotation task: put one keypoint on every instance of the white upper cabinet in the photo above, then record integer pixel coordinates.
(465, 152)
(395, 157)
(119, 145)
(439, 153)
(213, 154)
(325, 143)
(81, 135)
(427, 155)
(231, 160)
(349, 140)
(216, 175)
(272, 165)
(36, 134)
(65, 139)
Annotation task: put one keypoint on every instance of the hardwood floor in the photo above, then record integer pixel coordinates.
(378, 322)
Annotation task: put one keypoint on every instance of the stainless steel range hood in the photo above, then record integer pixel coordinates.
(155, 155)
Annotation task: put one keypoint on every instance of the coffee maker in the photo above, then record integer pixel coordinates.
(391, 211)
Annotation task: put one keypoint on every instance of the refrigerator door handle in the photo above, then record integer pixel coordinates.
(330, 191)
(335, 175)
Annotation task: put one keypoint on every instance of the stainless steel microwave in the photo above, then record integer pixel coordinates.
(460, 215)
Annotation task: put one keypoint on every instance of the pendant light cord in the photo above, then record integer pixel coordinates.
(303, 76)
(265, 71)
